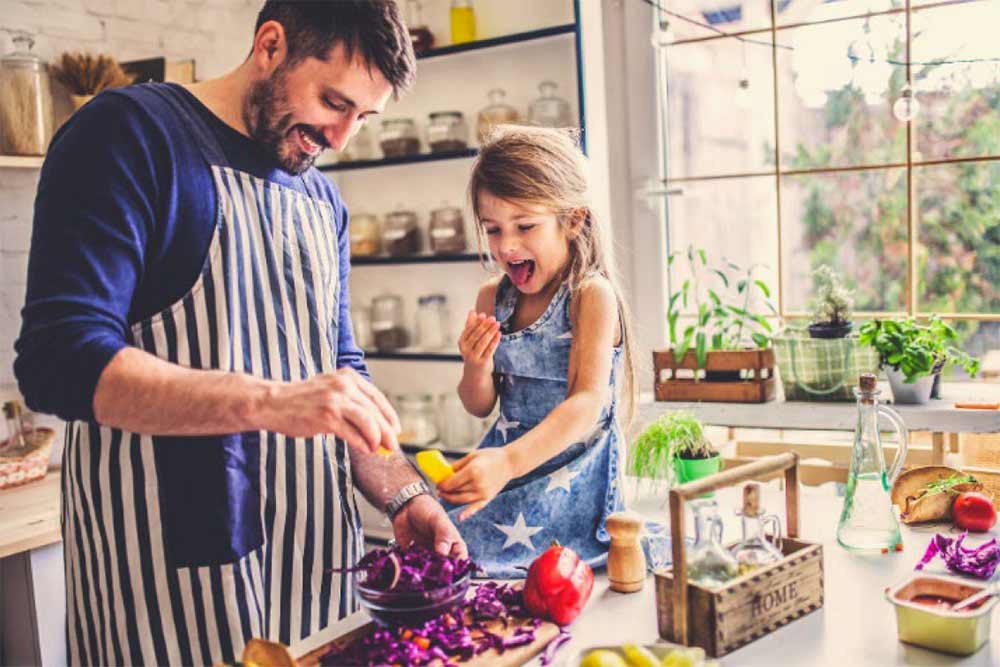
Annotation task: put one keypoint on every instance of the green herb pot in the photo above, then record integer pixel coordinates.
(688, 470)
(909, 393)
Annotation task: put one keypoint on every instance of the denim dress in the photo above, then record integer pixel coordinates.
(567, 498)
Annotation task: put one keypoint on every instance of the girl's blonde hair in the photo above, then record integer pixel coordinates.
(545, 167)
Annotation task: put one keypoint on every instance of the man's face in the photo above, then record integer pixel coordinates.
(298, 111)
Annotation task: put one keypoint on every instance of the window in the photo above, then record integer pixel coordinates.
(783, 148)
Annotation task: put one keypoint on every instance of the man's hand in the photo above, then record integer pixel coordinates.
(423, 522)
(343, 403)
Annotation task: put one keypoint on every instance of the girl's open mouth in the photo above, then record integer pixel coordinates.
(521, 271)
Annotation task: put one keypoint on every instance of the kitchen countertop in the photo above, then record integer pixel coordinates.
(29, 515)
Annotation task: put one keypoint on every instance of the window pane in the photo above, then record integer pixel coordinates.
(958, 208)
(835, 112)
(716, 126)
(729, 16)
(808, 11)
(959, 113)
(731, 219)
(854, 222)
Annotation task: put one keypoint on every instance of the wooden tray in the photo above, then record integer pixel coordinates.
(758, 388)
(720, 620)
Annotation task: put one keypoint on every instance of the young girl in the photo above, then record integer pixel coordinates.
(548, 338)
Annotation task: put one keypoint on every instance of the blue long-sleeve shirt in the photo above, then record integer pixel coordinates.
(124, 217)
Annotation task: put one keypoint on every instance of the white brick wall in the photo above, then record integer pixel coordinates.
(216, 33)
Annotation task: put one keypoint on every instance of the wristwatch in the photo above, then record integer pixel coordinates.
(403, 496)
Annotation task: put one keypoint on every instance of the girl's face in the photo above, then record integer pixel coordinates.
(526, 240)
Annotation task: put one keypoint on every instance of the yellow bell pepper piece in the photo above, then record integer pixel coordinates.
(603, 658)
(434, 465)
(639, 656)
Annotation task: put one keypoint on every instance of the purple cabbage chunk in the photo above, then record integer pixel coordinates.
(979, 562)
(413, 570)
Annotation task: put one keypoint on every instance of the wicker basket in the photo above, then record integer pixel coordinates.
(821, 369)
(26, 464)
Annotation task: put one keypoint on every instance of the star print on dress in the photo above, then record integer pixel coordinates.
(504, 425)
(568, 334)
(519, 533)
(560, 479)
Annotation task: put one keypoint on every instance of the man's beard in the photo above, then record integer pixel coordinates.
(268, 119)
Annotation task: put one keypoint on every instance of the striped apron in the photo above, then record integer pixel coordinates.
(179, 549)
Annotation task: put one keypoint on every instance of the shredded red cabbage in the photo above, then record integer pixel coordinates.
(450, 637)
(980, 562)
(415, 569)
(554, 645)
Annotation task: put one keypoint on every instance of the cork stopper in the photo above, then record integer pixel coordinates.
(751, 499)
(867, 382)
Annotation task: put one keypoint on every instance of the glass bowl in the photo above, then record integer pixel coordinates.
(409, 608)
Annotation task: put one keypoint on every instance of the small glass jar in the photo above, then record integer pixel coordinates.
(25, 101)
(398, 137)
(497, 112)
(447, 230)
(433, 322)
(365, 236)
(447, 132)
(709, 563)
(388, 330)
(550, 110)
(457, 427)
(360, 147)
(416, 419)
(420, 35)
(361, 320)
(401, 236)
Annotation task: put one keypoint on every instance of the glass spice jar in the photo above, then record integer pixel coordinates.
(447, 230)
(433, 326)
(365, 238)
(361, 321)
(416, 419)
(497, 112)
(400, 235)
(388, 331)
(420, 35)
(360, 147)
(456, 427)
(550, 110)
(25, 101)
(398, 137)
(447, 132)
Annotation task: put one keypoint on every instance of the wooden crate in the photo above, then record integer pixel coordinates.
(981, 450)
(758, 365)
(749, 607)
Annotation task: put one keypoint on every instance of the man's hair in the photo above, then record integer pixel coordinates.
(372, 27)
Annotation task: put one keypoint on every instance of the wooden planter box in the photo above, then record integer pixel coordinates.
(757, 367)
(723, 619)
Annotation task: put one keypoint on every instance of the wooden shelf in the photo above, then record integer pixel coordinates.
(515, 38)
(413, 356)
(417, 259)
(21, 162)
(395, 161)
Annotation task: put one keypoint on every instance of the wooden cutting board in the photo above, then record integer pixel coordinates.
(513, 657)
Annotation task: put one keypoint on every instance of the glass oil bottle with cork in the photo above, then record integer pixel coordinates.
(756, 549)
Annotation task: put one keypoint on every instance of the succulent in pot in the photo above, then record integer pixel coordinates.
(832, 306)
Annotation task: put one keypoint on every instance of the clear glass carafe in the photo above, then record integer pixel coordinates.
(756, 548)
(549, 110)
(868, 522)
(709, 563)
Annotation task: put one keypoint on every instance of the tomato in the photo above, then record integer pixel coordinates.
(974, 511)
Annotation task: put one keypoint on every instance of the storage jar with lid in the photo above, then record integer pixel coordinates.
(549, 110)
(401, 236)
(398, 137)
(416, 419)
(365, 236)
(360, 147)
(25, 101)
(447, 132)
(497, 112)
(361, 320)
(447, 230)
(458, 429)
(433, 325)
(387, 323)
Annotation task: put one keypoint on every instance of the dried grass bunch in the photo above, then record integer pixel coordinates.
(86, 74)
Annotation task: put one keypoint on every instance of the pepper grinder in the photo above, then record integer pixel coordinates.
(626, 561)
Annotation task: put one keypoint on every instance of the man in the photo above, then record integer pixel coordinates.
(187, 312)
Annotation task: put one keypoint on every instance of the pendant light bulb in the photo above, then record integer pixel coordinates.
(905, 109)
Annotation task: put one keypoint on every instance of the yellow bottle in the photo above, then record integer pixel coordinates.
(463, 21)
(434, 465)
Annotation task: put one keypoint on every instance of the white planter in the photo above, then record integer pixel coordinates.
(909, 393)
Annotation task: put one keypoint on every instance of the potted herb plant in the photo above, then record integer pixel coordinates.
(724, 354)
(673, 447)
(832, 307)
(913, 354)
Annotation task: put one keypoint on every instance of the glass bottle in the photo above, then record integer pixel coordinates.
(463, 21)
(387, 323)
(25, 101)
(497, 112)
(432, 322)
(420, 35)
(755, 549)
(416, 419)
(709, 563)
(550, 110)
(868, 522)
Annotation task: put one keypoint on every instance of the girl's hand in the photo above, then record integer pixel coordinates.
(478, 479)
(479, 340)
